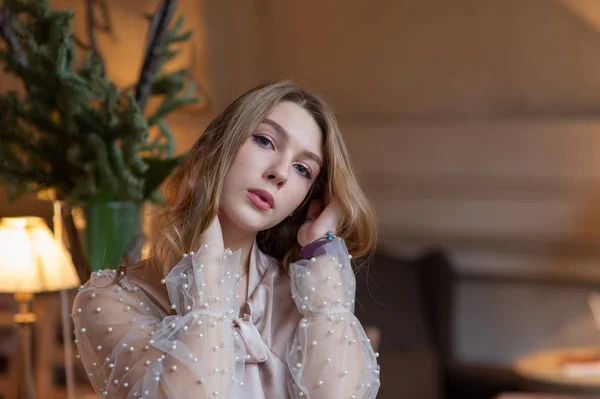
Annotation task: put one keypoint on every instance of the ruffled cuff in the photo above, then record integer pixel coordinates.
(331, 355)
(326, 283)
(204, 282)
(130, 351)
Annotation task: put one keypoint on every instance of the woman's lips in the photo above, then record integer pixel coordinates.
(258, 201)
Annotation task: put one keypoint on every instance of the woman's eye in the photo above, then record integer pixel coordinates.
(262, 141)
(303, 170)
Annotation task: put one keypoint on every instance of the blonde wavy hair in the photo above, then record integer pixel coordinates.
(194, 191)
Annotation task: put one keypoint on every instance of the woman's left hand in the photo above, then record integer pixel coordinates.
(318, 222)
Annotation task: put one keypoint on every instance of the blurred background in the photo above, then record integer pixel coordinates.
(474, 126)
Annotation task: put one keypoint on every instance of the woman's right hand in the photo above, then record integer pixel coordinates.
(213, 235)
(207, 280)
(210, 253)
(318, 222)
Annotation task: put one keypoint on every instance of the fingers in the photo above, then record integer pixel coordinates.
(328, 218)
(213, 235)
(211, 256)
(314, 209)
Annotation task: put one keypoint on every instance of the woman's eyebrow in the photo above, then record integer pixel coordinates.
(279, 129)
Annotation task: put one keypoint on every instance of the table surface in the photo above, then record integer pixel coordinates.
(546, 366)
(535, 396)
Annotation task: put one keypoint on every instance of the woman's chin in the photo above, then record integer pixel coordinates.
(251, 221)
(247, 217)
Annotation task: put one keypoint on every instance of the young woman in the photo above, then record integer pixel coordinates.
(270, 178)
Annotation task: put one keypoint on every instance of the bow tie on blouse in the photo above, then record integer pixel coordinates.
(256, 349)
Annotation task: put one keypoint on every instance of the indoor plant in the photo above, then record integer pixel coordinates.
(74, 132)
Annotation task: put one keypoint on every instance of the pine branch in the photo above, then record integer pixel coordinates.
(157, 39)
(172, 103)
(74, 130)
(163, 145)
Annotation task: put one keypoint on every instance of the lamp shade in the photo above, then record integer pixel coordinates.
(31, 260)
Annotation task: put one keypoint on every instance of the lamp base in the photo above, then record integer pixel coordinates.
(25, 319)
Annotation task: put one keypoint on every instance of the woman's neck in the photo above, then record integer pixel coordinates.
(235, 239)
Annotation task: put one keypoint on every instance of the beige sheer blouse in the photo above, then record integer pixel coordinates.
(184, 336)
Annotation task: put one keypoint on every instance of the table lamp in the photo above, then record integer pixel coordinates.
(31, 261)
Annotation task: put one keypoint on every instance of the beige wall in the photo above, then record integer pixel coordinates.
(419, 58)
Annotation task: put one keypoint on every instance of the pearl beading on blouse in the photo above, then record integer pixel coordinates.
(128, 350)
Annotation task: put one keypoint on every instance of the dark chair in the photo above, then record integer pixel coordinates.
(412, 302)
(437, 283)
(389, 298)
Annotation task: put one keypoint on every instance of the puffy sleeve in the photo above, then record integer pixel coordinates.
(130, 351)
(331, 356)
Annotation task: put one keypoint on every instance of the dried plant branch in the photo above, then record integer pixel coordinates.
(80, 43)
(90, 28)
(7, 34)
(157, 37)
(107, 26)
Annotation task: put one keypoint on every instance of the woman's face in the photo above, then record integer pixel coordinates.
(274, 169)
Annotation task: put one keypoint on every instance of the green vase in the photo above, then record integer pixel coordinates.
(110, 228)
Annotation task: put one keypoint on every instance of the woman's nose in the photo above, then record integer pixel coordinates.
(278, 174)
